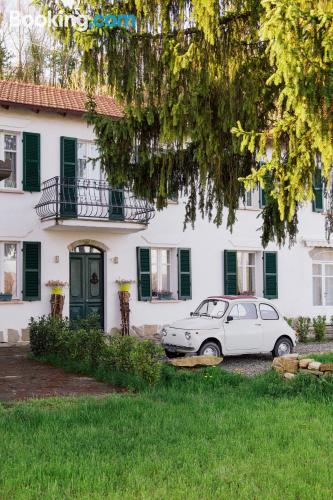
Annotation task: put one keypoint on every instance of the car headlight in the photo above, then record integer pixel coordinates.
(187, 335)
(164, 332)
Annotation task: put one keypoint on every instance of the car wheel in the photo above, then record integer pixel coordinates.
(210, 349)
(172, 355)
(282, 347)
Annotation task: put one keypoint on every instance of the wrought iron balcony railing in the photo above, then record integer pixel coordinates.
(67, 198)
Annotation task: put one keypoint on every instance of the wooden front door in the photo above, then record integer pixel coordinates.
(86, 283)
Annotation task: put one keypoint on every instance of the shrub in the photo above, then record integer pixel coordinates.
(290, 321)
(84, 344)
(45, 333)
(128, 354)
(319, 326)
(302, 326)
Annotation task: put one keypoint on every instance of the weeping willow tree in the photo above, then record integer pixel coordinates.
(206, 86)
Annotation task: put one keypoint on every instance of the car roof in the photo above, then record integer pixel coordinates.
(233, 297)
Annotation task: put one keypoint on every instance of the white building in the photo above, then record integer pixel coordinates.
(88, 235)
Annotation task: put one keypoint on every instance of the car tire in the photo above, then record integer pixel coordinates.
(172, 355)
(210, 348)
(282, 347)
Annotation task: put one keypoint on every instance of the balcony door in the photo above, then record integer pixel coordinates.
(87, 283)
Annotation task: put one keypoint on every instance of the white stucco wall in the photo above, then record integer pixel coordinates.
(19, 222)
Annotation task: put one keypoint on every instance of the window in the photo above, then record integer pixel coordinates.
(8, 268)
(10, 153)
(246, 272)
(244, 311)
(160, 273)
(214, 308)
(86, 168)
(268, 312)
(322, 277)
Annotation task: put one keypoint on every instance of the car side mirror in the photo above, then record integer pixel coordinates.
(230, 318)
(191, 313)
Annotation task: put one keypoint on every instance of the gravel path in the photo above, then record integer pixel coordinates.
(253, 364)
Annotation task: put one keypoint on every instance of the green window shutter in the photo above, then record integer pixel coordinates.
(144, 273)
(116, 201)
(31, 270)
(318, 202)
(270, 275)
(31, 162)
(262, 197)
(230, 272)
(68, 170)
(68, 152)
(184, 274)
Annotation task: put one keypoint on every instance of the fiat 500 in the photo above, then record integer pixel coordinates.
(230, 325)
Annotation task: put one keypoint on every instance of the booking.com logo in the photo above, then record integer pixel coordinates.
(80, 22)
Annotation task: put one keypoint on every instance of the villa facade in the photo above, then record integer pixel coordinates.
(60, 220)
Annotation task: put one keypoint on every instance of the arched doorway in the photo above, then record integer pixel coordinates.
(86, 271)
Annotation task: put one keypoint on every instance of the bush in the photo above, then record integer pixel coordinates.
(302, 326)
(128, 354)
(290, 321)
(45, 333)
(85, 345)
(319, 326)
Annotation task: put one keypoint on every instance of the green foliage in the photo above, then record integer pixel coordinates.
(207, 87)
(85, 347)
(290, 321)
(302, 326)
(319, 326)
(45, 332)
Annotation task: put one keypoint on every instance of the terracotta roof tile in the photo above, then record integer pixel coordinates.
(54, 99)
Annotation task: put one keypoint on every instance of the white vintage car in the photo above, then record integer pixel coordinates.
(230, 325)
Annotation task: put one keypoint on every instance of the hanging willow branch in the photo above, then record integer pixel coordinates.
(191, 71)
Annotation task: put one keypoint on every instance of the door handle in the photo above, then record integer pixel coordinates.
(258, 324)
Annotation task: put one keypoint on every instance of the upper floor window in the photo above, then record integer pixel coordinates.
(86, 167)
(9, 152)
(8, 268)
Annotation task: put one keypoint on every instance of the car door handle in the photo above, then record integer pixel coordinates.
(258, 324)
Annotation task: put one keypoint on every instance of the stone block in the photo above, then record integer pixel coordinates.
(150, 330)
(2, 337)
(289, 376)
(13, 336)
(304, 363)
(314, 365)
(326, 367)
(318, 373)
(25, 335)
(193, 361)
(284, 364)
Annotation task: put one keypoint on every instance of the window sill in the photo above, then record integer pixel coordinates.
(11, 191)
(172, 301)
(11, 302)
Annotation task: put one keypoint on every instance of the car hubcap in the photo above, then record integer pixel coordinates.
(284, 348)
(210, 351)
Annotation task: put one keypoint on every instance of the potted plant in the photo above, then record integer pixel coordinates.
(124, 285)
(5, 297)
(57, 286)
(164, 295)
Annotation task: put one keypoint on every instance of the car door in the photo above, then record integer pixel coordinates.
(244, 332)
(271, 325)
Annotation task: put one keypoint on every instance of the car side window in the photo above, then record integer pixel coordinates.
(268, 312)
(244, 310)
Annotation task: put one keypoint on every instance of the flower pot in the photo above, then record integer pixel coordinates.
(125, 287)
(57, 290)
(5, 297)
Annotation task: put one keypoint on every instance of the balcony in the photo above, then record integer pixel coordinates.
(77, 204)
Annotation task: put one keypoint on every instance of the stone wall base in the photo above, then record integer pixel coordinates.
(12, 336)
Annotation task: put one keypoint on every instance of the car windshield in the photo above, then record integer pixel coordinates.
(212, 307)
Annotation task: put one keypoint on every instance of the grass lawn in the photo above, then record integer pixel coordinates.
(208, 435)
(323, 358)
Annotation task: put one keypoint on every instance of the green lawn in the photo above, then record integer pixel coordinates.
(208, 435)
(323, 358)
